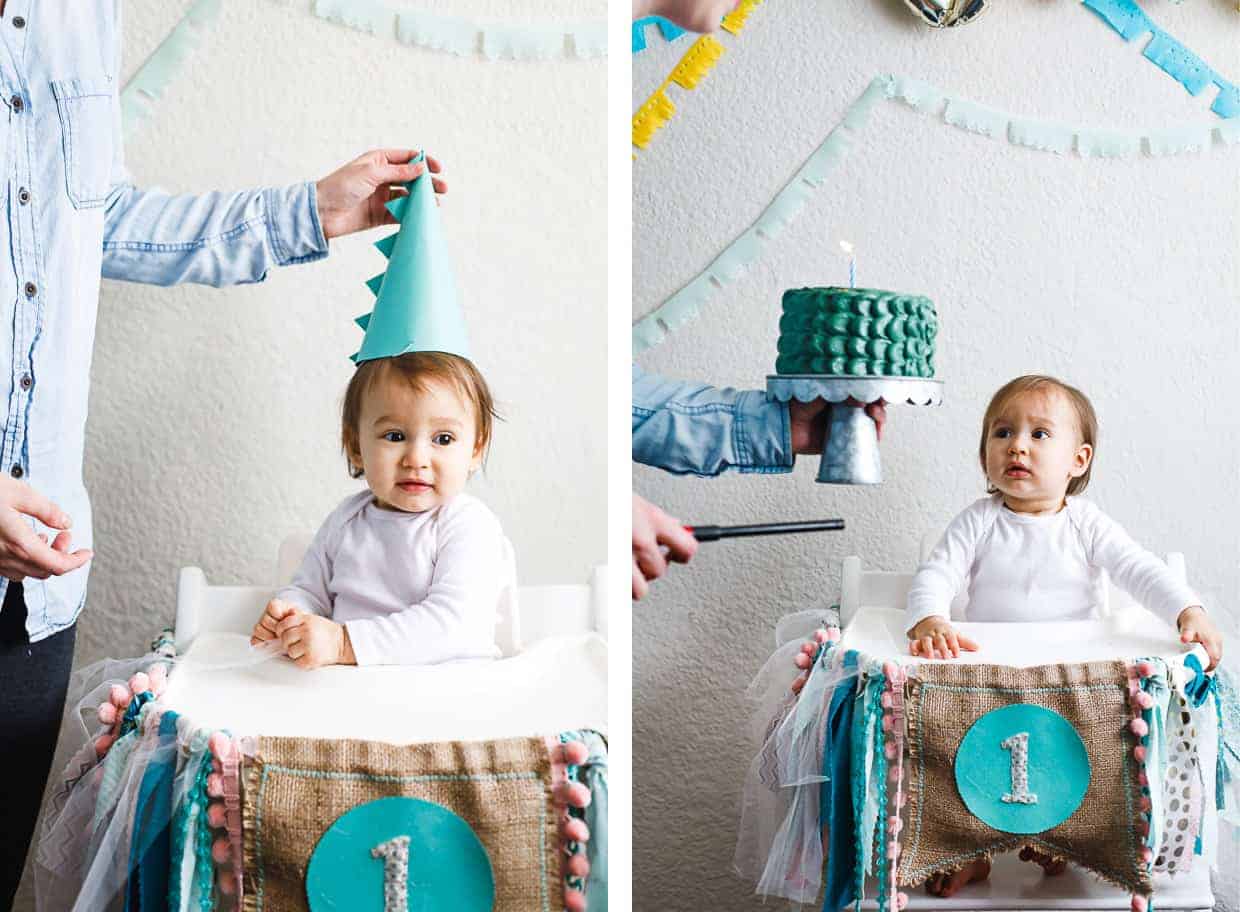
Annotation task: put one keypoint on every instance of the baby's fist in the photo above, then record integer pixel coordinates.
(267, 627)
(1196, 627)
(312, 641)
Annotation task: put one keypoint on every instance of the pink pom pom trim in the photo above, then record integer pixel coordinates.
(216, 816)
(578, 865)
(901, 900)
(1139, 904)
(104, 743)
(894, 824)
(1145, 804)
(889, 750)
(219, 851)
(885, 699)
(889, 669)
(139, 683)
(1142, 779)
(228, 886)
(887, 723)
(119, 696)
(1147, 854)
(574, 901)
(1139, 753)
(576, 830)
(820, 635)
(1144, 669)
(107, 713)
(833, 634)
(215, 785)
(1143, 700)
(802, 661)
(1139, 727)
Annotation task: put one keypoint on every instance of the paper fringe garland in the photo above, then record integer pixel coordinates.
(701, 57)
(148, 83)
(683, 306)
(464, 37)
(1168, 54)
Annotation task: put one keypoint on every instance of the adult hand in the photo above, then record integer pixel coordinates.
(694, 15)
(653, 528)
(24, 553)
(809, 422)
(354, 196)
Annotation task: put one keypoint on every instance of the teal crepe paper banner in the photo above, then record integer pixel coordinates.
(365, 15)
(685, 305)
(416, 307)
(669, 30)
(159, 69)
(1168, 54)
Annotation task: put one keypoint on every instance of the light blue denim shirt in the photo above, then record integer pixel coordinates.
(70, 216)
(695, 429)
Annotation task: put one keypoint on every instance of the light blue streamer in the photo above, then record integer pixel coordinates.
(685, 305)
(148, 83)
(1168, 54)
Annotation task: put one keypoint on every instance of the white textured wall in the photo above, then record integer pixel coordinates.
(214, 413)
(1120, 276)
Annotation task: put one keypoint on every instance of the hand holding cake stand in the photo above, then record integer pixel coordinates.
(850, 452)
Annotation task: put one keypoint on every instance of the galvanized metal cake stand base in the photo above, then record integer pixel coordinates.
(850, 455)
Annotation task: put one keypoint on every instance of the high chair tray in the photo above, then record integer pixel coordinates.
(558, 684)
(1019, 885)
(879, 633)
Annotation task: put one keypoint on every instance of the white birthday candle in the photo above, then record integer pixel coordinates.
(852, 263)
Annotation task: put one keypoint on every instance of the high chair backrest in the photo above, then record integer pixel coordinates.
(535, 613)
(861, 587)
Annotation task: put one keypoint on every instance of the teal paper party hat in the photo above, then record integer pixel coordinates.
(416, 306)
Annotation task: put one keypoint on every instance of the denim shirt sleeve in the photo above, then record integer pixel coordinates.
(695, 429)
(210, 239)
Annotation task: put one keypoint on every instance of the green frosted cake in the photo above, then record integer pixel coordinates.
(856, 332)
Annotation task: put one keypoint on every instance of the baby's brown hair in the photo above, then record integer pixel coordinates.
(1086, 419)
(415, 368)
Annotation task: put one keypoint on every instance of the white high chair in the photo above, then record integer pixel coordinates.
(1013, 884)
(538, 612)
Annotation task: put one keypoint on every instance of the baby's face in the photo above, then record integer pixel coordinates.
(416, 446)
(1034, 449)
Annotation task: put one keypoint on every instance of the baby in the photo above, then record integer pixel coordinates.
(1033, 551)
(411, 571)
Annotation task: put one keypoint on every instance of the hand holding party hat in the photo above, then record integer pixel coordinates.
(416, 306)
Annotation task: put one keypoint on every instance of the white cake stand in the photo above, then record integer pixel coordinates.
(850, 454)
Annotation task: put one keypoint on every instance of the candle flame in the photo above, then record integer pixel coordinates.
(846, 246)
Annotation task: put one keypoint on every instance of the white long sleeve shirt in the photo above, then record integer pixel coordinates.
(410, 588)
(1020, 567)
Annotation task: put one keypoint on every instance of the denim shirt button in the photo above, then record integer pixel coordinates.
(23, 196)
(31, 289)
(26, 381)
(17, 103)
(17, 471)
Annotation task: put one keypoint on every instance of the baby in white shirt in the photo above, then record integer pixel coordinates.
(1033, 551)
(411, 571)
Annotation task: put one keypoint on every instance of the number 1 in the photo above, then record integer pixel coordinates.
(395, 855)
(1019, 746)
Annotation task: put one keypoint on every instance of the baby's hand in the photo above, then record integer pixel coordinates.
(266, 629)
(312, 641)
(935, 638)
(1196, 627)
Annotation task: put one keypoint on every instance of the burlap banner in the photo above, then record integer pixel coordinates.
(296, 788)
(1005, 757)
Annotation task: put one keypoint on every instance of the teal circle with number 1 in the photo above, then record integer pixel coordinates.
(1022, 769)
(446, 866)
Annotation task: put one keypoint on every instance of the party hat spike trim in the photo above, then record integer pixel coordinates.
(387, 244)
(397, 207)
(375, 284)
(363, 321)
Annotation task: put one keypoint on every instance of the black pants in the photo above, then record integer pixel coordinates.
(34, 678)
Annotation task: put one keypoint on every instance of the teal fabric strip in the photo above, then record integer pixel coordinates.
(150, 852)
(880, 852)
(190, 815)
(860, 785)
(596, 820)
